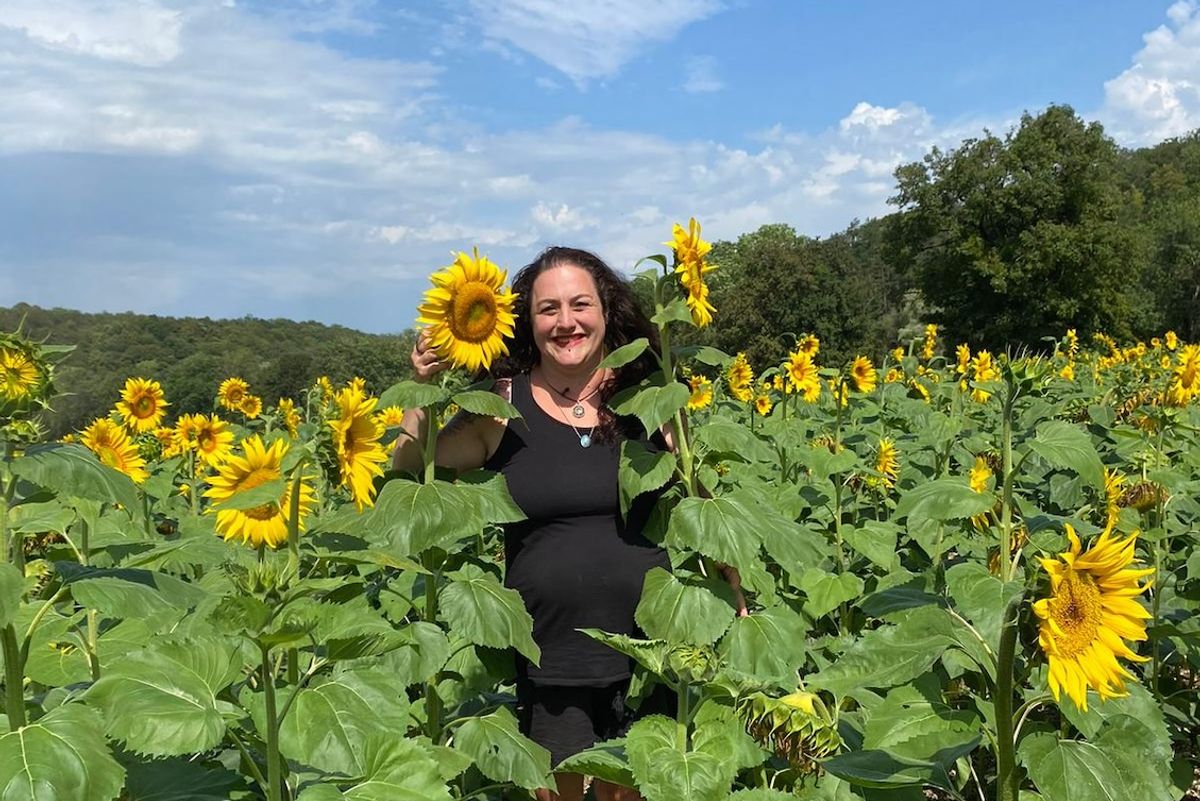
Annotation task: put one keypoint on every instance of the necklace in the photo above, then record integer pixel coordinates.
(577, 410)
(585, 440)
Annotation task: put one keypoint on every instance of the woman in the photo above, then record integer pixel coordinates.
(574, 560)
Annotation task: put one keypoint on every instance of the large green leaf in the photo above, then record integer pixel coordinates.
(917, 728)
(502, 753)
(604, 760)
(482, 610)
(650, 654)
(180, 780)
(423, 653)
(61, 757)
(35, 518)
(412, 517)
(695, 612)
(876, 540)
(73, 471)
(487, 404)
(12, 587)
(981, 598)
(624, 354)
(768, 645)
(664, 773)
(162, 700)
(723, 528)
(330, 722)
(941, 500)
(115, 597)
(412, 395)
(653, 404)
(888, 656)
(1073, 770)
(642, 470)
(1064, 445)
(826, 591)
(397, 769)
(875, 768)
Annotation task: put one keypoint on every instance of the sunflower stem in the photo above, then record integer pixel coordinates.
(1006, 501)
(683, 715)
(433, 701)
(293, 527)
(14, 678)
(1006, 766)
(430, 449)
(274, 779)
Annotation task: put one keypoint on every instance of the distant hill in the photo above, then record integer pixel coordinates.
(190, 356)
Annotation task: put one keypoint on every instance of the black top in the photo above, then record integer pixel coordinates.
(574, 561)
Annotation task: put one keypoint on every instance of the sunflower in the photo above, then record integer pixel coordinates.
(1068, 371)
(801, 373)
(863, 374)
(1072, 339)
(390, 417)
(897, 354)
(702, 393)
(691, 267)
(840, 390)
(214, 440)
(1172, 340)
(740, 378)
(963, 356)
(326, 387)
(467, 313)
(113, 447)
(356, 440)
(185, 431)
(142, 406)
(1114, 487)
(980, 477)
(231, 392)
(251, 406)
(809, 344)
(762, 401)
(894, 376)
(289, 416)
(983, 368)
(18, 375)
(929, 346)
(266, 523)
(1091, 610)
(1185, 377)
(167, 442)
(916, 389)
(887, 463)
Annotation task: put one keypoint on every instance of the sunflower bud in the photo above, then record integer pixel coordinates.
(693, 664)
(797, 727)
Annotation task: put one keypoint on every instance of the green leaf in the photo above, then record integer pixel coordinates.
(888, 656)
(1072, 770)
(917, 729)
(663, 773)
(482, 610)
(653, 404)
(826, 591)
(424, 653)
(502, 753)
(604, 761)
(397, 769)
(642, 470)
(487, 404)
(981, 598)
(12, 587)
(650, 654)
(941, 500)
(676, 311)
(703, 354)
(723, 528)
(73, 471)
(412, 517)
(624, 354)
(35, 518)
(412, 395)
(162, 701)
(767, 645)
(489, 501)
(180, 780)
(693, 612)
(330, 723)
(880, 769)
(1064, 445)
(61, 757)
(269, 492)
(876, 540)
(115, 597)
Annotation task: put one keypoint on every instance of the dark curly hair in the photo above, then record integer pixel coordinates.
(624, 321)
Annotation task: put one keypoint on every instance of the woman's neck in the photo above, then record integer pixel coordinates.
(574, 382)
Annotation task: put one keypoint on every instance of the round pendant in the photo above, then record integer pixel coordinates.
(577, 410)
(585, 440)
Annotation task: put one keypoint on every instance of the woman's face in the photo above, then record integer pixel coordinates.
(568, 320)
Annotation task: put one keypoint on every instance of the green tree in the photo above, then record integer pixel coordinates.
(1019, 238)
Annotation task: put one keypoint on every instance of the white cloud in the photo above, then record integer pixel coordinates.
(560, 219)
(589, 40)
(1159, 95)
(701, 75)
(143, 34)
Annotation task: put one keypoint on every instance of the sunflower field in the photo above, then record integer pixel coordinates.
(971, 575)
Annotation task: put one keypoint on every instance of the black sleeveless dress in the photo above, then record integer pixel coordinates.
(574, 561)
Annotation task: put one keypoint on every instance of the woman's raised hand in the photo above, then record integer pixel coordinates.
(425, 361)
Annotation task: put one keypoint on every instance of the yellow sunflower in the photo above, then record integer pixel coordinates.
(268, 522)
(702, 393)
(113, 447)
(918, 390)
(863, 374)
(18, 375)
(185, 431)
(1072, 343)
(963, 355)
(763, 403)
(1185, 377)
(214, 439)
(887, 463)
(809, 344)
(897, 354)
(167, 443)
(390, 417)
(691, 267)
(1091, 610)
(251, 406)
(231, 393)
(894, 376)
(802, 373)
(467, 313)
(1068, 371)
(983, 368)
(980, 477)
(356, 440)
(142, 405)
(1172, 340)
(740, 378)
(326, 386)
(929, 346)
(289, 416)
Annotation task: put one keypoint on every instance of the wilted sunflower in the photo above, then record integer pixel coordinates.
(266, 523)
(691, 267)
(289, 416)
(467, 313)
(740, 378)
(356, 440)
(231, 393)
(1091, 610)
(214, 440)
(863, 374)
(18, 374)
(702, 393)
(142, 405)
(113, 447)
(251, 406)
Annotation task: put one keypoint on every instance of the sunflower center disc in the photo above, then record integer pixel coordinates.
(144, 406)
(473, 312)
(257, 478)
(1076, 609)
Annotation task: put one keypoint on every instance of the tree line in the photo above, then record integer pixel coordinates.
(1003, 241)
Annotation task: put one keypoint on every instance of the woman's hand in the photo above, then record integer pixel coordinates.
(734, 578)
(425, 361)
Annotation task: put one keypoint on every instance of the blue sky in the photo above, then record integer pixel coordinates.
(317, 159)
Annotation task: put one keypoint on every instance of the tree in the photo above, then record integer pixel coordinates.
(1018, 239)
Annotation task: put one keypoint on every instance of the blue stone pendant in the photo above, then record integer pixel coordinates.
(585, 440)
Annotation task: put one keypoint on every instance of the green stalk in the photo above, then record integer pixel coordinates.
(1006, 501)
(274, 779)
(433, 702)
(1154, 600)
(1006, 765)
(93, 633)
(683, 714)
(430, 449)
(14, 678)
(7, 491)
(683, 448)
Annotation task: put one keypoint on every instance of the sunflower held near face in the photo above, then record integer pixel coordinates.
(691, 266)
(267, 523)
(142, 405)
(356, 439)
(467, 312)
(1092, 609)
